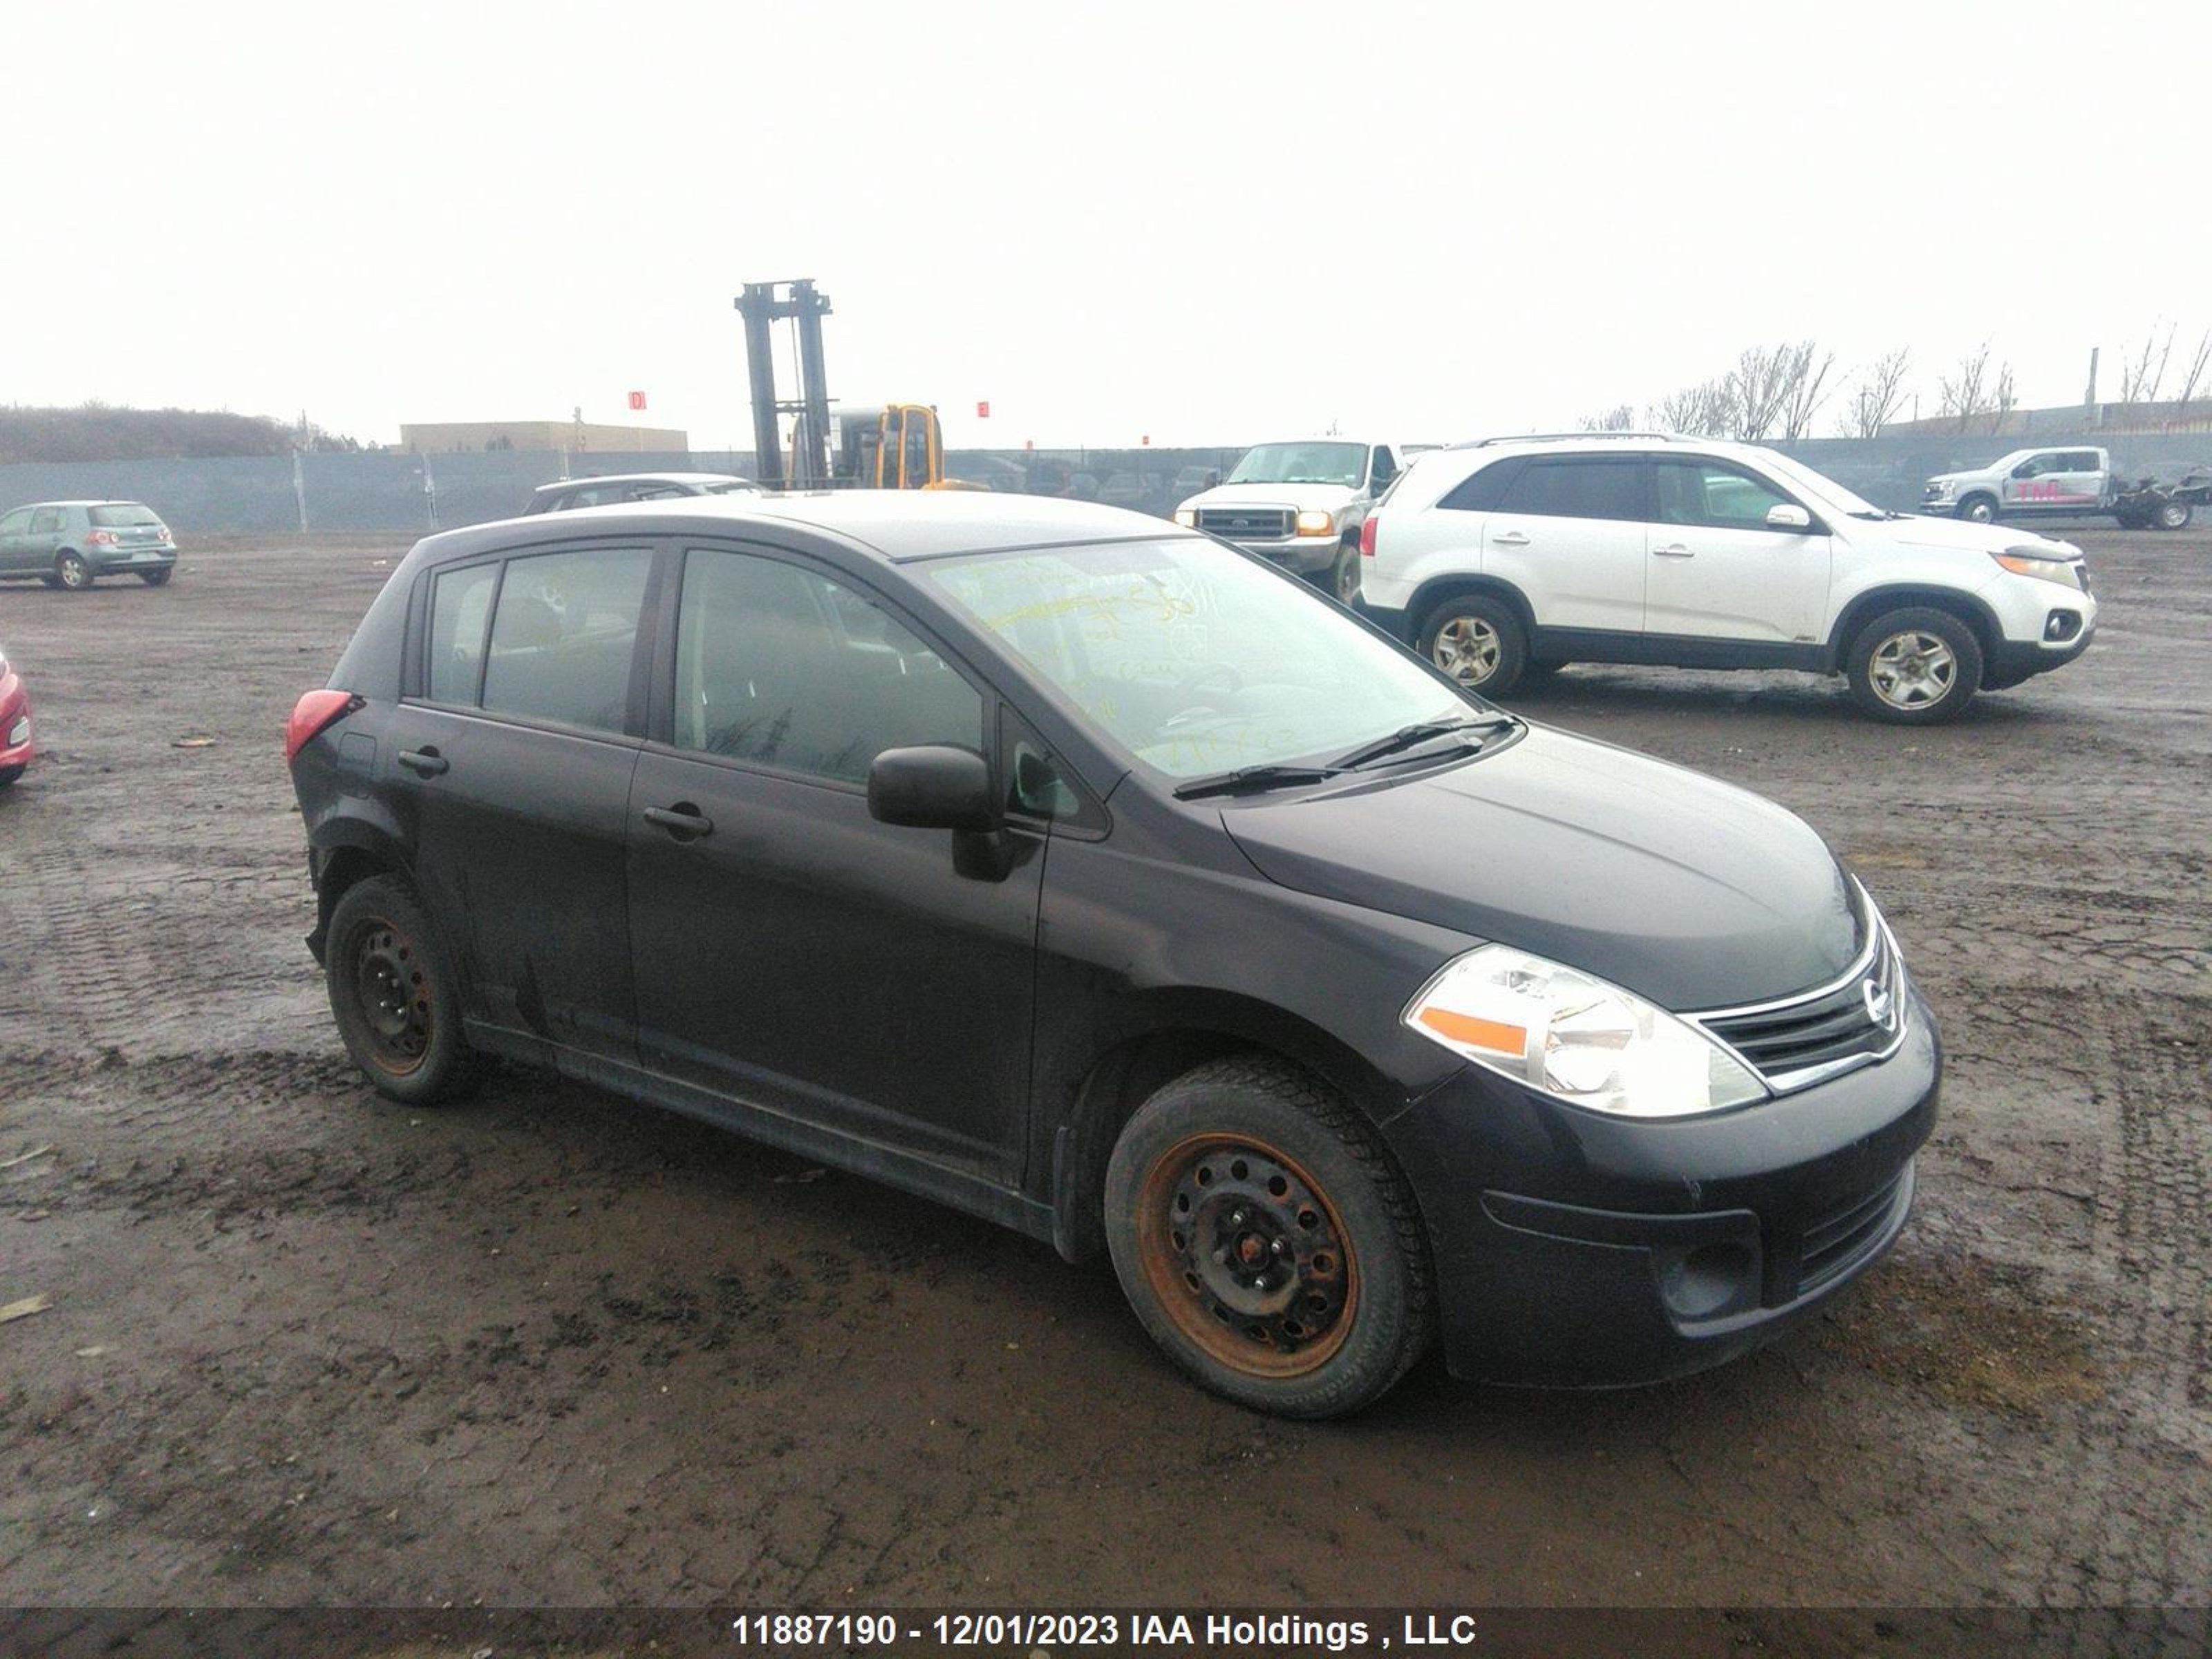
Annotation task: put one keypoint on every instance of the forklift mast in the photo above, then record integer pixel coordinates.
(762, 305)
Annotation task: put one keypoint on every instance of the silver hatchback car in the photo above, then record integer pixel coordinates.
(72, 543)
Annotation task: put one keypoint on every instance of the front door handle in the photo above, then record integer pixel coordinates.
(1510, 538)
(428, 761)
(684, 821)
(1673, 550)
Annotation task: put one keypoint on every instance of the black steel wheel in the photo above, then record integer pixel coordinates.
(156, 577)
(1266, 1241)
(392, 994)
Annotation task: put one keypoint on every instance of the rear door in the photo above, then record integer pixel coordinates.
(2076, 479)
(16, 542)
(1569, 532)
(1718, 570)
(790, 950)
(509, 763)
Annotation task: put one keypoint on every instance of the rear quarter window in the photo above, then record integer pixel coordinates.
(1482, 490)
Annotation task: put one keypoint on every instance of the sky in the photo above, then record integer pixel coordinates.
(1197, 223)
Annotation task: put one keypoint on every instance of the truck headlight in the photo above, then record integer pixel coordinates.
(2027, 562)
(1187, 517)
(1316, 521)
(1938, 489)
(1563, 1032)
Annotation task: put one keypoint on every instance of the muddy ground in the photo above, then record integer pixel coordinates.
(305, 1346)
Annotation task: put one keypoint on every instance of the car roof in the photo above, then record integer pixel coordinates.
(105, 502)
(1569, 443)
(895, 525)
(640, 477)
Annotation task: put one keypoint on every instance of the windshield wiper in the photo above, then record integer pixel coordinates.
(1405, 736)
(1246, 779)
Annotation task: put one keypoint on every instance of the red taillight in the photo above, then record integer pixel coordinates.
(1367, 535)
(100, 538)
(313, 713)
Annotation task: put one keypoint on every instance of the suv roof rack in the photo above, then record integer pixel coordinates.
(1570, 437)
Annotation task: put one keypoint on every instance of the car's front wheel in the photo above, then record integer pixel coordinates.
(8, 774)
(1344, 574)
(392, 993)
(2173, 515)
(1915, 667)
(1979, 509)
(1266, 1242)
(1477, 641)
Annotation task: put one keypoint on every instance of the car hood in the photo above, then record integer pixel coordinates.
(1301, 495)
(1687, 890)
(1921, 529)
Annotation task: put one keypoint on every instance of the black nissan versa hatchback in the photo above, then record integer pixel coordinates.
(1094, 875)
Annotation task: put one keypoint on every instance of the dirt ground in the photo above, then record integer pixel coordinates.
(302, 1347)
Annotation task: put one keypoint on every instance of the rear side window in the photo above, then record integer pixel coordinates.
(460, 605)
(562, 636)
(123, 515)
(1482, 491)
(1611, 488)
(2080, 460)
(779, 666)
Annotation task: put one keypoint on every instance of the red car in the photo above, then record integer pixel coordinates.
(15, 724)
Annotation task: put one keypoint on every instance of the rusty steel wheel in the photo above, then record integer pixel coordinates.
(1266, 1239)
(1248, 1256)
(392, 994)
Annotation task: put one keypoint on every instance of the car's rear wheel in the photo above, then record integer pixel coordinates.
(1266, 1241)
(1343, 575)
(2173, 515)
(1915, 667)
(1477, 640)
(394, 995)
(155, 578)
(71, 571)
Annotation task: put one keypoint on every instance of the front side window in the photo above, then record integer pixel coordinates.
(460, 605)
(16, 522)
(1190, 657)
(563, 634)
(1714, 495)
(779, 666)
(1611, 488)
(1306, 463)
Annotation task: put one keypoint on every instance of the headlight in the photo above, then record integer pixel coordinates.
(1316, 521)
(1561, 1031)
(20, 733)
(1187, 517)
(2027, 562)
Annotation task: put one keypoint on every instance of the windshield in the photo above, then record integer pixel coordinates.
(118, 517)
(1821, 487)
(1308, 463)
(1194, 660)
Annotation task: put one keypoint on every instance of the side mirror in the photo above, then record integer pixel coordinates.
(935, 786)
(1786, 516)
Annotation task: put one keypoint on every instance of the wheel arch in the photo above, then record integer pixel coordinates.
(1437, 589)
(1092, 1095)
(1988, 632)
(347, 852)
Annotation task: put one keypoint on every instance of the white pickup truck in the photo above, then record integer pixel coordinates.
(1300, 504)
(2073, 482)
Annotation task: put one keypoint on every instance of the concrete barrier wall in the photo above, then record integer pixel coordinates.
(391, 491)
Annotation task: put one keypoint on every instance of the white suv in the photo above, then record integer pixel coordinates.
(1517, 555)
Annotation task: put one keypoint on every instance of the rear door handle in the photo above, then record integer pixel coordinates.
(1674, 550)
(1510, 538)
(684, 821)
(428, 761)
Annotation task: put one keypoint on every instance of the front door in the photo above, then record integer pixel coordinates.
(1717, 570)
(511, 766)
(792, 952)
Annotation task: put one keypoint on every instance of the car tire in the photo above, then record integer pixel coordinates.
(1915, 667)
(8, 774)
(1477, 640)
(393, 992)
(1343, 575)
(1266, 1241)
(156, 577)
(1979, 509)
(71, 571)
(2173, 515)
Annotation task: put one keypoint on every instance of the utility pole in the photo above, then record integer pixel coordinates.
(2090, 398)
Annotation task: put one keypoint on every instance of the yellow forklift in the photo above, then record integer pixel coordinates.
(893, 447)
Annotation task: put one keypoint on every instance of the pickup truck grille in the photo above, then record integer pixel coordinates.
(1800, 1041)
(1246, 523)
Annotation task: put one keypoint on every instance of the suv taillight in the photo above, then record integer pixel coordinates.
(314, 713)
(1367, 526)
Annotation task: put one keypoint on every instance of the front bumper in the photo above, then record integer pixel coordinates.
(17, 742)
(1573, 1249)
(2014, 660)
(1306, 555)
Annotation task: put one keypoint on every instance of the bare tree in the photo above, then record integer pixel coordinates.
(1620, 418)
(1875, 399)
(1962, 392)
(2141, 376)
(1699, 411)
(2199, 361)
(1758, 389)
(1805, 393)
(2001, 399)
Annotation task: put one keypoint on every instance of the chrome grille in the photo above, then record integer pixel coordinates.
(1246, 523)
(1804, 1039)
